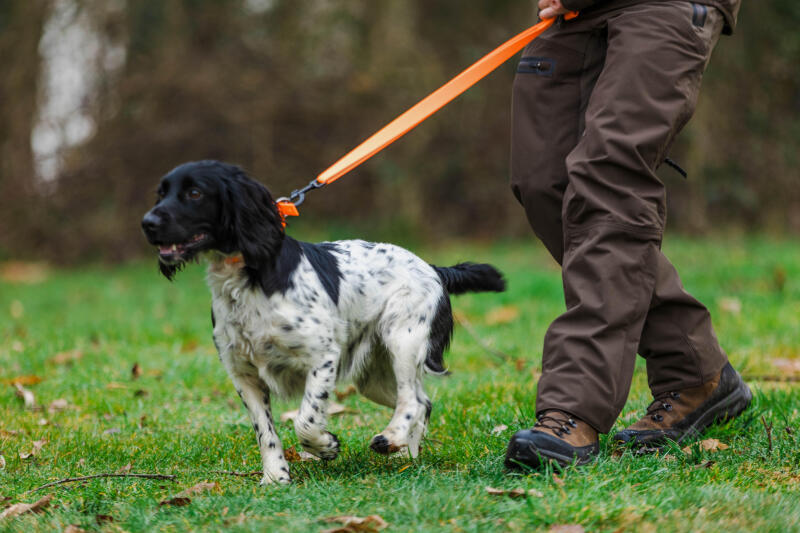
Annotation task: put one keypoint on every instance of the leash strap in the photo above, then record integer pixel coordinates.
(417, 114)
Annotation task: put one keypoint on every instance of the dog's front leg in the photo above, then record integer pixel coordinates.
(255, 397)
(313, 414)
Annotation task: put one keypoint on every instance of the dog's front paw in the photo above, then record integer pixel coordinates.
(327, 448)
(384, 446)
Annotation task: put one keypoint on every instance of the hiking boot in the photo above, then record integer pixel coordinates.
(556, 436)
(686, 413)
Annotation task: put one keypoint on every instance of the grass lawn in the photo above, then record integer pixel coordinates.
(181, 416)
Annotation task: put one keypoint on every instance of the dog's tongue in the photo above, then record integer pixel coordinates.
(169, 249)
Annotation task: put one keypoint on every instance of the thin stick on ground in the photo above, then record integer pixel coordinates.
(167, 477)
(239, 474)
(768, 429)
(464, 323)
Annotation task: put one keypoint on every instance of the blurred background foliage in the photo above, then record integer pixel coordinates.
(99, 98)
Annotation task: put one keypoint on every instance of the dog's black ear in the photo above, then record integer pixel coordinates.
(252, 221)
(169, 271)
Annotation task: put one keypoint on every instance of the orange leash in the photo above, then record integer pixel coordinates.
(417, 114)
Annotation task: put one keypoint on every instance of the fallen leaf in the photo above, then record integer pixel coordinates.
(790, 366)
(22, 508)
(404, 468)
(72, 528)
(57, 405)
(103, 518)
(42, 422)
(293, 456)
(28, 399)
(23, 380)
(176, 501)
(370, 523)
(111, 431)
(9, 432)
(730, 305)
(115, 386)
(514, 493)
(566, 528)
(499, 429)
(197, 489)
(2, 462)
(349, 391)
(333, 409)
(707, 445)
(37, 447)
(125, 469)
(136, 371)
(23, 272)
(68, 357)
(16, 309)
(558, 481)
(501, 315)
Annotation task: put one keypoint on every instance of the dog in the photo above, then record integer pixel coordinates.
(295, 318)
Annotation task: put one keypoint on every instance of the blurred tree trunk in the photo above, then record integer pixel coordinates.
(21, 24)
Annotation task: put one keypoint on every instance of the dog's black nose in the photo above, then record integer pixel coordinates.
(151, 223)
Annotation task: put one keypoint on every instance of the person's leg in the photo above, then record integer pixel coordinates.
(614, 210)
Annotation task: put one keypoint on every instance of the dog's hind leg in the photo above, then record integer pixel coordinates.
(313, 414)
(407, 353)
(255, 397)
(418, 429)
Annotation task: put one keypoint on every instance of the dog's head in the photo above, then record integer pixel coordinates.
(209, 205)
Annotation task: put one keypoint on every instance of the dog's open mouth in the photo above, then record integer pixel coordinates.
(174, 253)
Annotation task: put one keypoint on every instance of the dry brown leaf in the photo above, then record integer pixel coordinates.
(57, 405)
(22, 508)
(558, 481)
(72, 528)
(9, 432)
(790, 366)
(37, 447)
(177, 501)
(68, 357)
(730, 305)
(707, 445)
(349, 391)
(23, 272)
(2, 462)
(103, 518)
(28, 399)
(499, 429)
(125, 469)
(333, 409)
(566, 528)
(501, 315)
(293, 456)
(197, 489)
(23, 380)
(514, 493)
(115, 386)
(136, 371)
(367, 524)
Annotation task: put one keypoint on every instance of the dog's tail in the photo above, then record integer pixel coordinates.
(471, 277)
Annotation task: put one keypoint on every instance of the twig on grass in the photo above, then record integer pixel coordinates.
(768, 429)
(167, 477)
(239, 474)
(464, 323)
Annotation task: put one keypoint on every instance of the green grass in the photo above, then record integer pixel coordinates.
(181, 416)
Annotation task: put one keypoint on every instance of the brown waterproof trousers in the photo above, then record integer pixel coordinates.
(597, 102)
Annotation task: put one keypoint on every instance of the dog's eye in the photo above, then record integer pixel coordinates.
(194, 194)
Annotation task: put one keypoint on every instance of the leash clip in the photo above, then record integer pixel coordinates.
(287, 206)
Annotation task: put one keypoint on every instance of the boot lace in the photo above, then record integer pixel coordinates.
(661, 403)
(559, 426)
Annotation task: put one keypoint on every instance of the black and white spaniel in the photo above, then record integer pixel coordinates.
(292, 317)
